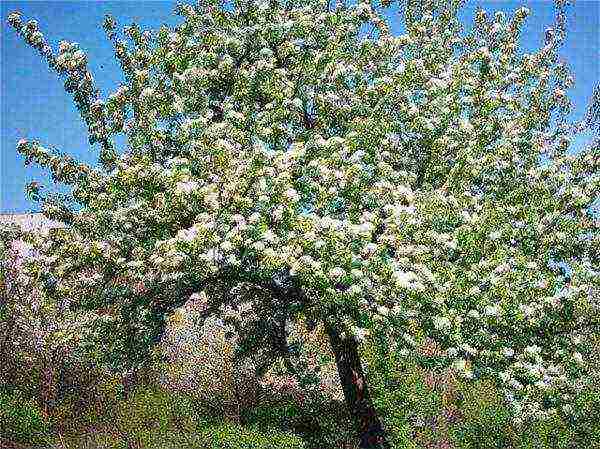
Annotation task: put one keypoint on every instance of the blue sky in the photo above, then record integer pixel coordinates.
(34, 104)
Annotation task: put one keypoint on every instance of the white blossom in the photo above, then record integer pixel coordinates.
(441, 323)
(337, 273)
(186, 187)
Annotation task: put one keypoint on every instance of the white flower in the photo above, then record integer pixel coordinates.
(360, 333)
(473, 314)
(357, 156)
(199, 297)
(147, 94)
(363, 8)
(508, 352)
(319, 244)
(269, 236)
(460, 365)
(515, 384)
(404, 279)
(466, 126)
(214, 255)
(187, 235)
(369, 249)
(404, 352)
(270, 252)
(266, 53)
(258, 246)
(495, 235)
(382, 310)
(442, 323)
(365, 228)
(226, 245)
(502, 268)
(306, 260)
(491, 310)
(237, 218)
(532, 350)
(356, 273)
(468, 349)
(297, 103)
(186, 187)
(254, 218)
(527, 310)
(310, 236)
(452, 352)
(235, 116)
(336, 273)
(578, 358)
(475, 290)
(355, 289)
(277, 213)
(292, 195)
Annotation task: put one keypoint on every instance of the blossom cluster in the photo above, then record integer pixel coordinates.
(395, 182)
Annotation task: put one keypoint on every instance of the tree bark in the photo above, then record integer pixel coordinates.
(47, 391)
(366, 420)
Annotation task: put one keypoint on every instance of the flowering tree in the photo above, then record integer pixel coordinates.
(301, 158)
(37, 337)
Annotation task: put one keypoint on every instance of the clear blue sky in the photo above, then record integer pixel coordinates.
(34, 104)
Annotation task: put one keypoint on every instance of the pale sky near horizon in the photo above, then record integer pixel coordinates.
(34, 104)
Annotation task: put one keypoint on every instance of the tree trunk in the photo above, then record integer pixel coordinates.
(368, 424)
(47, 391)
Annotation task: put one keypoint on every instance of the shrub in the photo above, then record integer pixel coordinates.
(200, 363)
(230, 436)
(486, 422)
(155, 410)
(425, 408)
(321, 422)
(206, 435)
(413, 402)
(21, 421)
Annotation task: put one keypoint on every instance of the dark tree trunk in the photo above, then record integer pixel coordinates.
(47, 387)
(368, 424)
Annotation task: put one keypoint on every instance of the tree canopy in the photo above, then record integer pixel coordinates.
(299, 157)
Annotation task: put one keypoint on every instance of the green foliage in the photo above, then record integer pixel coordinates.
(155, 410)
(318, 421)
(404, 401)
(154, 418)
(586, 425)
(486, 422)
(421, 408)
(230, 436)
(205, 436)
(21, 421)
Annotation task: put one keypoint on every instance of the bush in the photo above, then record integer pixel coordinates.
(21, 421)
(200, 363)
(486, 422)
(230, 436)
(424, 408)
(319, 421)
(205, 436)
(155, 410)
(411, 402)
